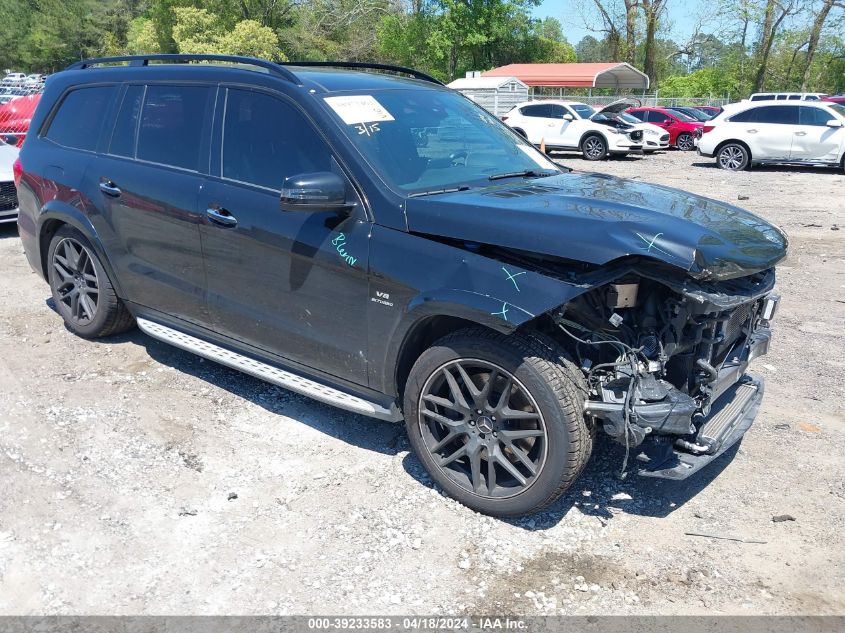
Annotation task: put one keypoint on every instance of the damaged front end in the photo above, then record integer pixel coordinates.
(665, 362)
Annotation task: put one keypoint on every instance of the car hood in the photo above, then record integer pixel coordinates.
(620, 105)
(597, 219)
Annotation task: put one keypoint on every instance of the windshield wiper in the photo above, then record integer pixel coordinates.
(528, 173)
(432, 192)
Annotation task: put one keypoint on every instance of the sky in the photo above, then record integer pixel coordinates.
(682, 15)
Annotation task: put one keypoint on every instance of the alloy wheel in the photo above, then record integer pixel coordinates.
(593, 147)
(685, 142)
(731, 157)
(77, 285)
(482, 428)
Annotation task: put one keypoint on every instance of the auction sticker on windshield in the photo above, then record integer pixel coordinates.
(358, 109)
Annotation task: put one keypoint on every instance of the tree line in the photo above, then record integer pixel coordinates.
(735, 46)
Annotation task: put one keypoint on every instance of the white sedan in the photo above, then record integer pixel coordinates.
(800, 133)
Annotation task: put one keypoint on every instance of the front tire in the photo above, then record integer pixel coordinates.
(82, 291)
(498, 421)
(685, 142)
(594, 147)
(733, 157)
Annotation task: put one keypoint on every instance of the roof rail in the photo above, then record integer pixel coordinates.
(144, 60)
(416, 74)
(277, 68)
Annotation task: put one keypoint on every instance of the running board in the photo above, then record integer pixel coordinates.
(268, 373)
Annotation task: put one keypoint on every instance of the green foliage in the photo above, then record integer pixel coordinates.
(443, 37)
(142, 37)
(198, 31)
(701, 83)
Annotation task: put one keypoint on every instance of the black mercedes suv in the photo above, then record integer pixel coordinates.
(362, 234)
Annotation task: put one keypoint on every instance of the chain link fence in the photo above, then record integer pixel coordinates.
(646, 100)
(19, 95)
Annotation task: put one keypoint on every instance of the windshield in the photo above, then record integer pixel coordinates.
(840, 110)
(582, 110)
(425, 140)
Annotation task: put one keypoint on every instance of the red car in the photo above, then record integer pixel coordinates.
(840, 99)
(16, 115)
(682, 129)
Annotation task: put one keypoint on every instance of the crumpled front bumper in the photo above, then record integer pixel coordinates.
(731, 416)
(672, 442)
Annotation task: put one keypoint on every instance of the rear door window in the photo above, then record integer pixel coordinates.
(781, 115)
(541, 111)
(126, 125)
(173, 121)
(78, 121)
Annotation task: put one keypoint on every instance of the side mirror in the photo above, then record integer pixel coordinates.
(314, 192)
(568, 117)
(834, 123)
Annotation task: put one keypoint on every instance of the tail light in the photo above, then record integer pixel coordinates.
(504, 118)
(17, 171)
(708, 128)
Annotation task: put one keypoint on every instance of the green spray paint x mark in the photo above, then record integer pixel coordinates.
(339, 242)
(512, 277)
(652, 243)
(503, 312)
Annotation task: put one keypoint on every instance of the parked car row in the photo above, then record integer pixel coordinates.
(805, 132)
(34, 80)
(614, 130)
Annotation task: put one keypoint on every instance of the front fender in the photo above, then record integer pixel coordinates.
(415, 278)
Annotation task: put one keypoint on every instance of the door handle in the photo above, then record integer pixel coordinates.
(221, 217)
(800, 134)
(109, 188)
(751, 131)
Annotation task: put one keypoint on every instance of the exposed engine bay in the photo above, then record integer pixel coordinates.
(665, 364)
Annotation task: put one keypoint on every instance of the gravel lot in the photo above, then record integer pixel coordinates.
(138, 479)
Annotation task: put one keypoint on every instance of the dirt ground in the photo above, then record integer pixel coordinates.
(138, 479)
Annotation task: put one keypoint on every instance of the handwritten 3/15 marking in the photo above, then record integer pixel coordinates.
(512, 277)
(339, 242)
(368, 129)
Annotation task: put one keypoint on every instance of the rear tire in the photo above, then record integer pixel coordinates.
(82, 291)
(685, 142)
(733, 157)
(530, 398)
(594, 147)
